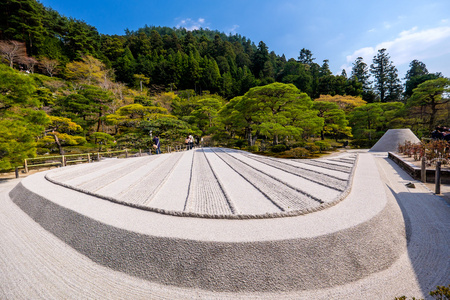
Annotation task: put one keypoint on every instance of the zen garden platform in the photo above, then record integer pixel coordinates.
(221, 223)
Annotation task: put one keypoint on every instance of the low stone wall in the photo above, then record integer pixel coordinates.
(415, 171)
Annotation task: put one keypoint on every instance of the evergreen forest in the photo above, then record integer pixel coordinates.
(66, 88)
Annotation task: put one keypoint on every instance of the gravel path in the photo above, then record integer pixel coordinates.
(35, 264)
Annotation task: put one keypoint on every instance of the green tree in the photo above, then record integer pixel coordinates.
(22, 20)
(393, 86)
(102, 139)
(88, 70)
(274, 110)
(371, 121)
(360, 71)
(430, 96)
(129, 117)
(21, 123)
(387, 83)
(169, 130)
(335, 121)
(62, 130)
(325, 69)
(206, 113)
(365, 119)
(80, 39)
(125, 66)
(416, 75)
(99, 99)
(260, 57)
(306, 57)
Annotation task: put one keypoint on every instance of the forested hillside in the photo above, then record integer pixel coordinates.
(66, 87)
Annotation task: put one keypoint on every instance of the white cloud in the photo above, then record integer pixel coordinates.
(409, 45)
(190, 24)
(408, 32)
(233, 29)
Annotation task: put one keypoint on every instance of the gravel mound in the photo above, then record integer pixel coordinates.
(392, 138)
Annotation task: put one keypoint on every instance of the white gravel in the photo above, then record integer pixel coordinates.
(203, 183)
(383, 241)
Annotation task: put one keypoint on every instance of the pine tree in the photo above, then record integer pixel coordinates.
(416, 75)
(386, 77)
(306, 57)
(361, 72)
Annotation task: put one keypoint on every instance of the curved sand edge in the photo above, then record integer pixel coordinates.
(318, 250)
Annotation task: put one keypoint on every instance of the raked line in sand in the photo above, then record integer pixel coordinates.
(355, 248)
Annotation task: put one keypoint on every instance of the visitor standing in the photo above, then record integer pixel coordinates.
(191, 141)
(156, 144)
(186, 142)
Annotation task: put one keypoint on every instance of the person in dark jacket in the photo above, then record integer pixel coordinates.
(156, 144)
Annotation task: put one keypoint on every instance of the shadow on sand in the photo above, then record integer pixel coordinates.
(427, 223)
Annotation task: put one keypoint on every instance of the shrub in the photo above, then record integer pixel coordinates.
(324, 146)
(252, 148)
(279, 148)
(240, 143)
(362, 143)
(298, 152)
(301, 144)
(313, 148)
(42, 151)
(80, 140)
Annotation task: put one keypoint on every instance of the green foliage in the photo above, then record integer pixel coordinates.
(279, 148)
(203, 82)
(102, 139)
(323, 145)
(168, 128)
(17, 141)
(430, 96)
(252, 148)
(312, 147)
(370, 121)
(335, 120)
(298, 152)
(440, 293)
(20, 122)
(274, 110)
(387, 83)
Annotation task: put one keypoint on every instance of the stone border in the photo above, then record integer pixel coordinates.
(415, 171)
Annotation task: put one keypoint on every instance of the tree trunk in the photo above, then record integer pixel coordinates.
(432, 116)
(58, 143)
(255, 137)
(275, 139)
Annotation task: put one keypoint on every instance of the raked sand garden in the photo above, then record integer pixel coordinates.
(222, 223)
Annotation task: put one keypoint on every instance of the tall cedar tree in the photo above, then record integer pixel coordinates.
(387, 83)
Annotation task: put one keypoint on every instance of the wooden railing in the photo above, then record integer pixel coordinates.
(64, 160)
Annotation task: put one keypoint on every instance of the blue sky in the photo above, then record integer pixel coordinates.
(337, 30)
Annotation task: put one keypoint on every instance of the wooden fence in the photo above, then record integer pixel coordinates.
(65, 160)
